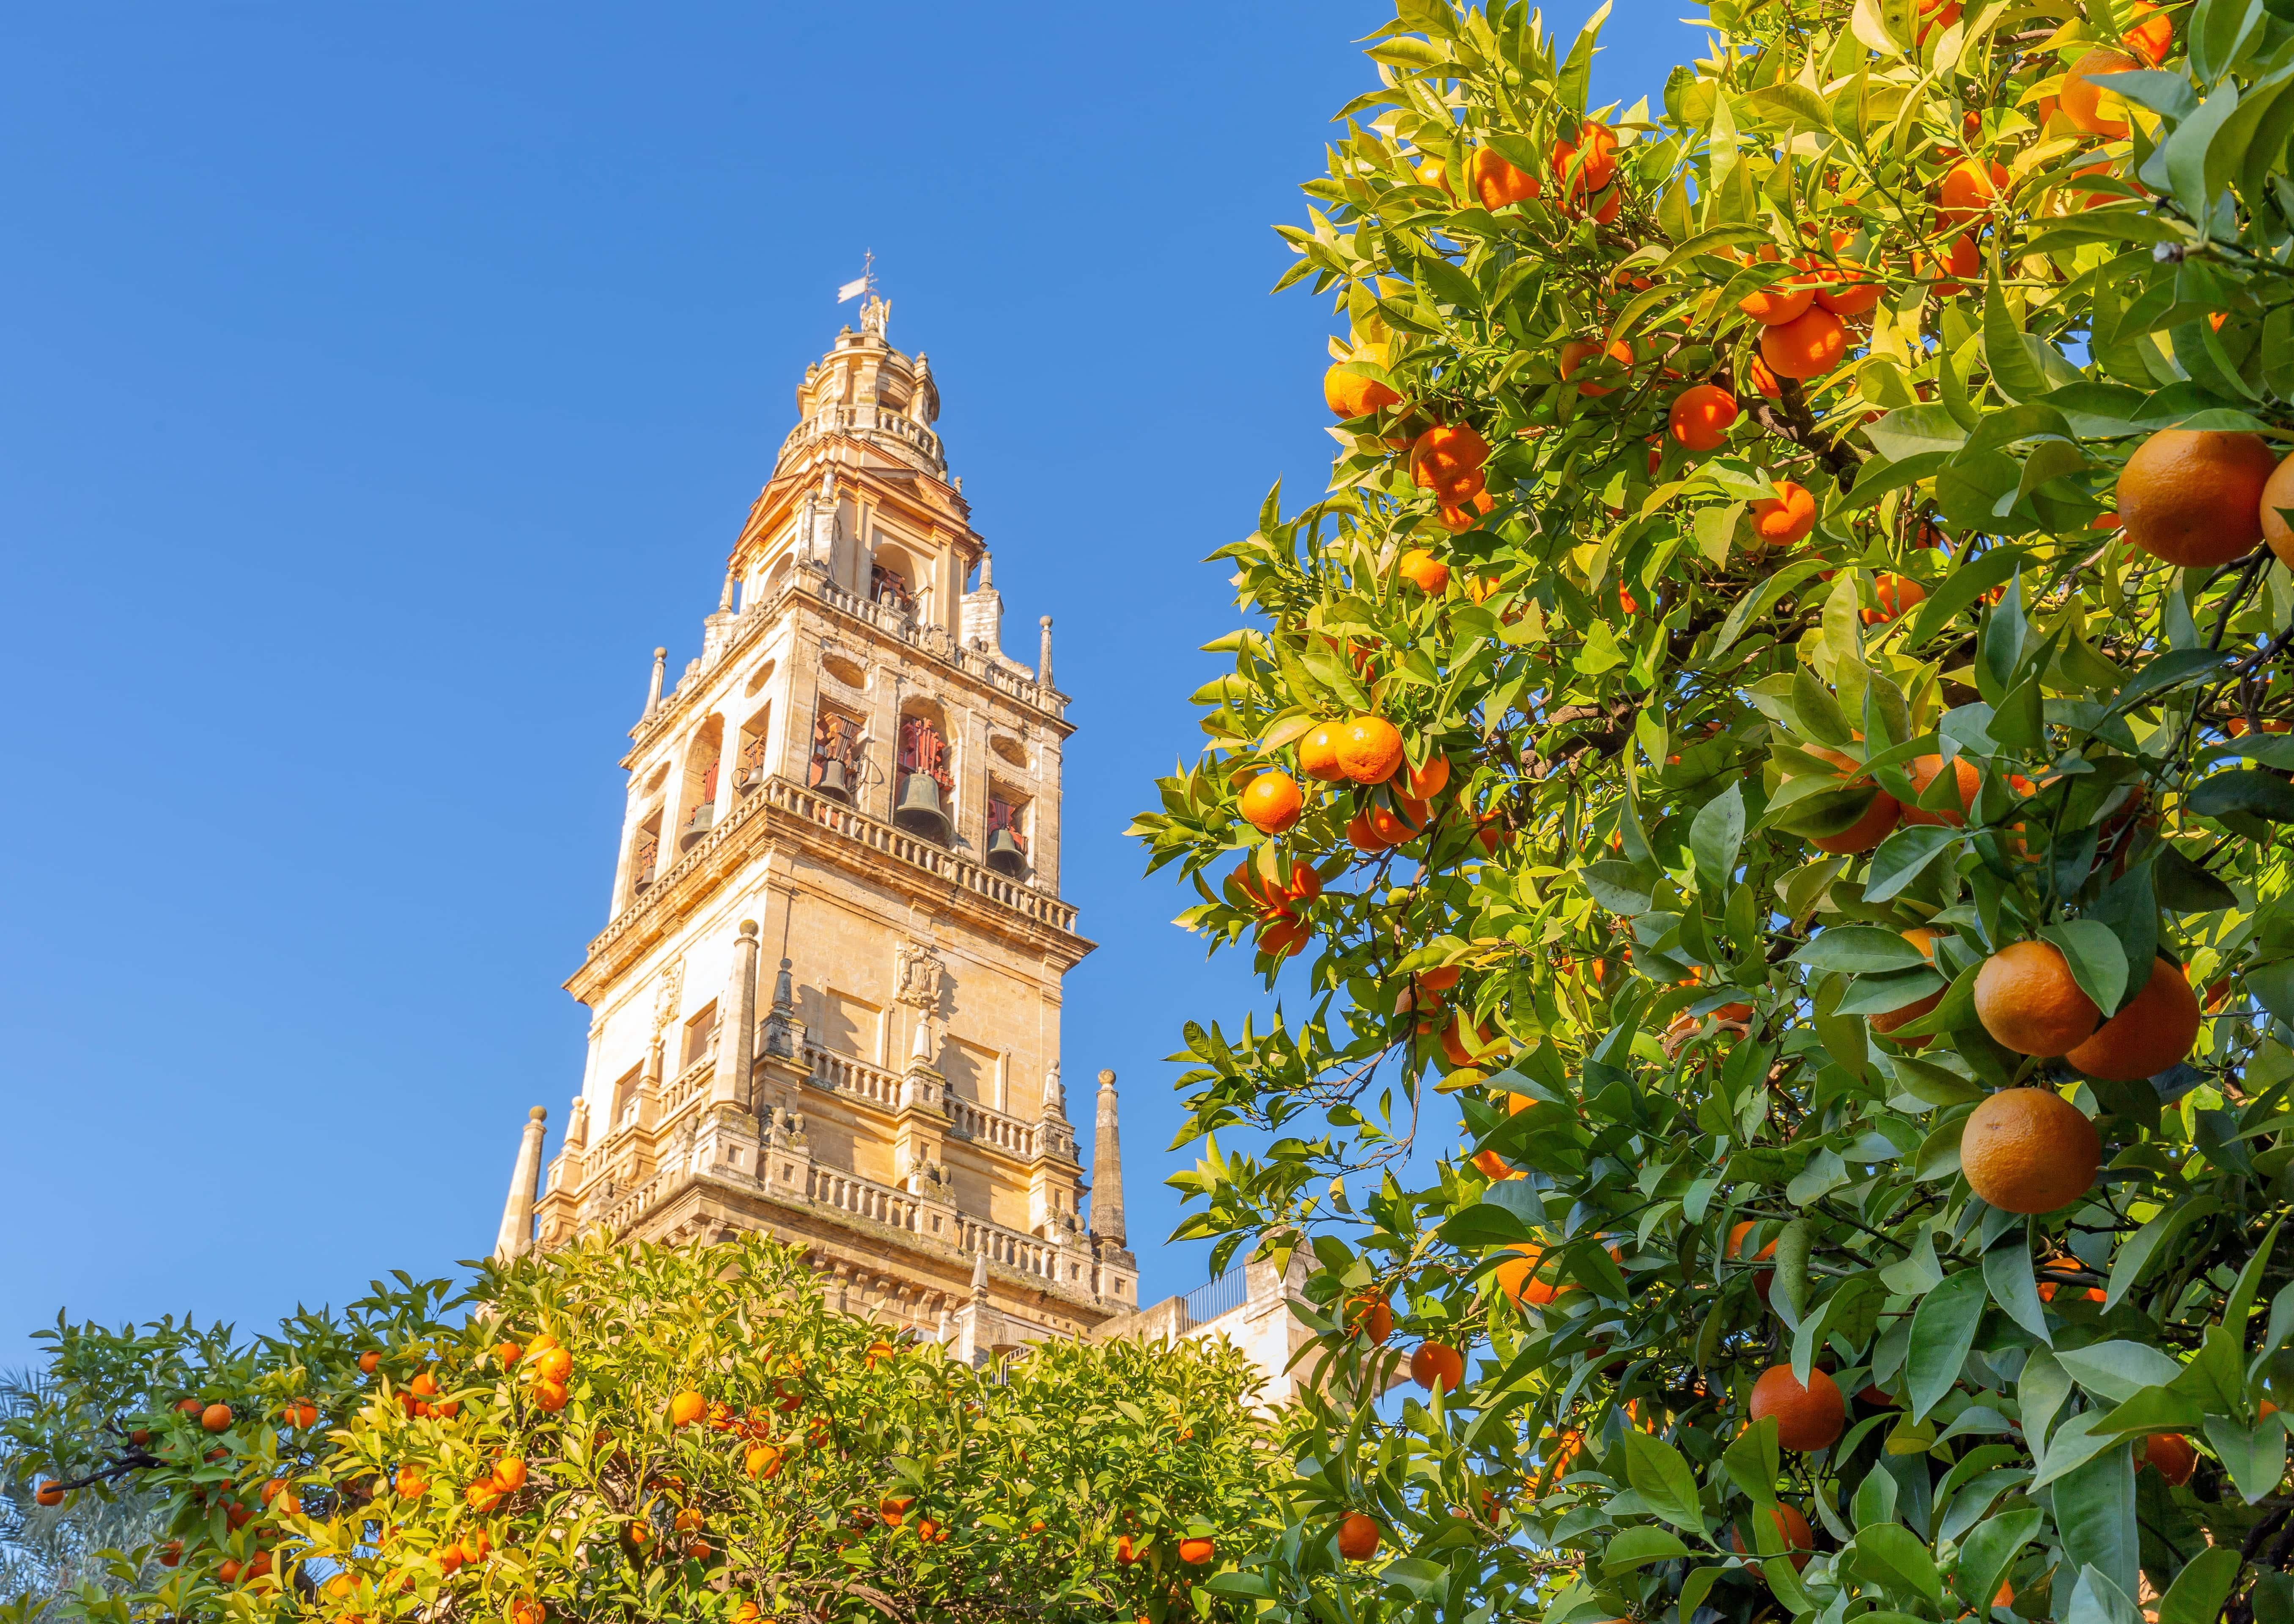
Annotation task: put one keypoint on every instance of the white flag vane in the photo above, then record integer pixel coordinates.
(866, 282)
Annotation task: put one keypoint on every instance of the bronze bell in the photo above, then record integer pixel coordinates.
(1004, 855)
(704, 818)
(833, 782)
(920, 811)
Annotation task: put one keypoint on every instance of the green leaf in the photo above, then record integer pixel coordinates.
(2169, 670)
(1988, 1550)
(1758, 601)
(2255, 1455)
(1859, 950)
(1715, 836)
(2007, 1273)
(1751, 1461)
(1663, 1479)
(1621, 888)
(2013, 371)
(1943, 1331)
(1902, 855)
(2097, 1599)
(2185, 887)
(1485, 1223)
(1966, 584)
(2246, 790)
(1915, 431)
(2095, 1514)
(2117, 1370)
(2133, 1258)
(2098, 962)
(1896, 1553)
(2199, 1590)
(1422, 1578)
(1639, 1546)
(1790, 106)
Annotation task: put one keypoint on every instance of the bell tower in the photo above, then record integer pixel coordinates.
(826, 999)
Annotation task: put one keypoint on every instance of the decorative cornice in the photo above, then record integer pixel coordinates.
(780, 810)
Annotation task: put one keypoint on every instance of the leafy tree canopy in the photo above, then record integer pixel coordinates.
(614, 1433)
(1780, 717)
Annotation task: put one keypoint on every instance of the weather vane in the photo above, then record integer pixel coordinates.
(866, 282)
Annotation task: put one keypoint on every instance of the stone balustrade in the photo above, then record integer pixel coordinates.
(846, 1075)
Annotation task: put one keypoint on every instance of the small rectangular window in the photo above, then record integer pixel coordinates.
(698, 1031)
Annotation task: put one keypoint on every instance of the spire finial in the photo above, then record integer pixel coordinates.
(1107, 1168)
(1043, 663)
(516, 1236)
(653, 693)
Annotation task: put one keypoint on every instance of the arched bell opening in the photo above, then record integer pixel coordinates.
(834, 769)
(923, 791)
(703, 764)
(1007, 833)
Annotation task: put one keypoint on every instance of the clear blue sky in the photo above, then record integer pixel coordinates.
(383, 384)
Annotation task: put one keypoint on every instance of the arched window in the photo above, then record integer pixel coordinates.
(749, 770)
(645, 854)
(892, 579)
(698, 800)
(924, 788)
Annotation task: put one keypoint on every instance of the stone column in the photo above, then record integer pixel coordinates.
(1107, 1169)
(1044, 659)
(737, 1023)
(516, 1233)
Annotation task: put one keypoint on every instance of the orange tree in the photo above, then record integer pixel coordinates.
(1777, 718)
(610, 1433)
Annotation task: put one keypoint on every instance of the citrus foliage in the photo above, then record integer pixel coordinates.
(652, 1433)
(1716, 730)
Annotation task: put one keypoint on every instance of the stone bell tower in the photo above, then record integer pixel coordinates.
(827, 1001)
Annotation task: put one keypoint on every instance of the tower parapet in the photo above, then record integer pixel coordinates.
(852, 783)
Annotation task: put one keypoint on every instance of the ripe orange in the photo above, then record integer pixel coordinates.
(2028, 1000)
(1894, 596)
(1700, 417)
(1849, 292)
(2153, 37)
(1777, 304)
(1765, 1277)
(2063, 1260)
(1464, 1046)
(1808, 1418)
(1870, 829)
(1422, 570)
(1799, 1538)
(1763, 381)
(2083, 100)
(1358, 1537)
(1195, 1553)
(1963, 260)
(411, 1484)
(2193, 496)
(2029, 1150)
(2152, 1033)
(1447, 459)
(1599, 167)
(1369, 1315)
(2277, 494)
(1576, 351)
(549, 1395)
(1350, 395)
(1968, 191)
(553, 1363)
(1886, 1023)
(686, 1407)
(216, 1418)
(1464, 516)
(1423, 783)
(1809, 345)
(1318, 753)
(1497, 182)
(368, 1361)
(1924, 770)
(1397, 825)
(508, 1352)
(1785, 518)
(49, 1493)
(423, 1386)
(1124, 1552)
(2169, 1455)
(1435, 1366)
(1271, 801)
(1369, 749)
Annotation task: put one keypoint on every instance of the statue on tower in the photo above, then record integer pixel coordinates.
(874, 312)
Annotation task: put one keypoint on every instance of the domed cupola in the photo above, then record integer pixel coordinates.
(866, 390)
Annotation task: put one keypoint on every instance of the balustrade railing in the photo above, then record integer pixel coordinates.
(984, 1126)
(847, 1076)
(863, 1198)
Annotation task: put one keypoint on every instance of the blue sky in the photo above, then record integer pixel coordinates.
(383, 384)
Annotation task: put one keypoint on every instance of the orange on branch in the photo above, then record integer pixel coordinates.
(1924, 770)
(1891, 595)
(1318, 752)
(1777, 303)
(1422, 570)
(1701, 416)
(1886, 1023)
(2152, 1035)
(2169, 1455)
(2153, 34)
(2088, 105)
(1598, 165)
(1434, 1365)
(1369, 749)
(2194, 497)
(1785, 518)
(1350, 395)
(2277, 498)
(1809, 1417)
(1497, 182)
(1576, 352)
(1807, 346)
(1358, 1537)
(1799, 1538)
(1271, 801)
(1197, 1551)
(2029, 1150)
(2028, 1001)
(1969, 188)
